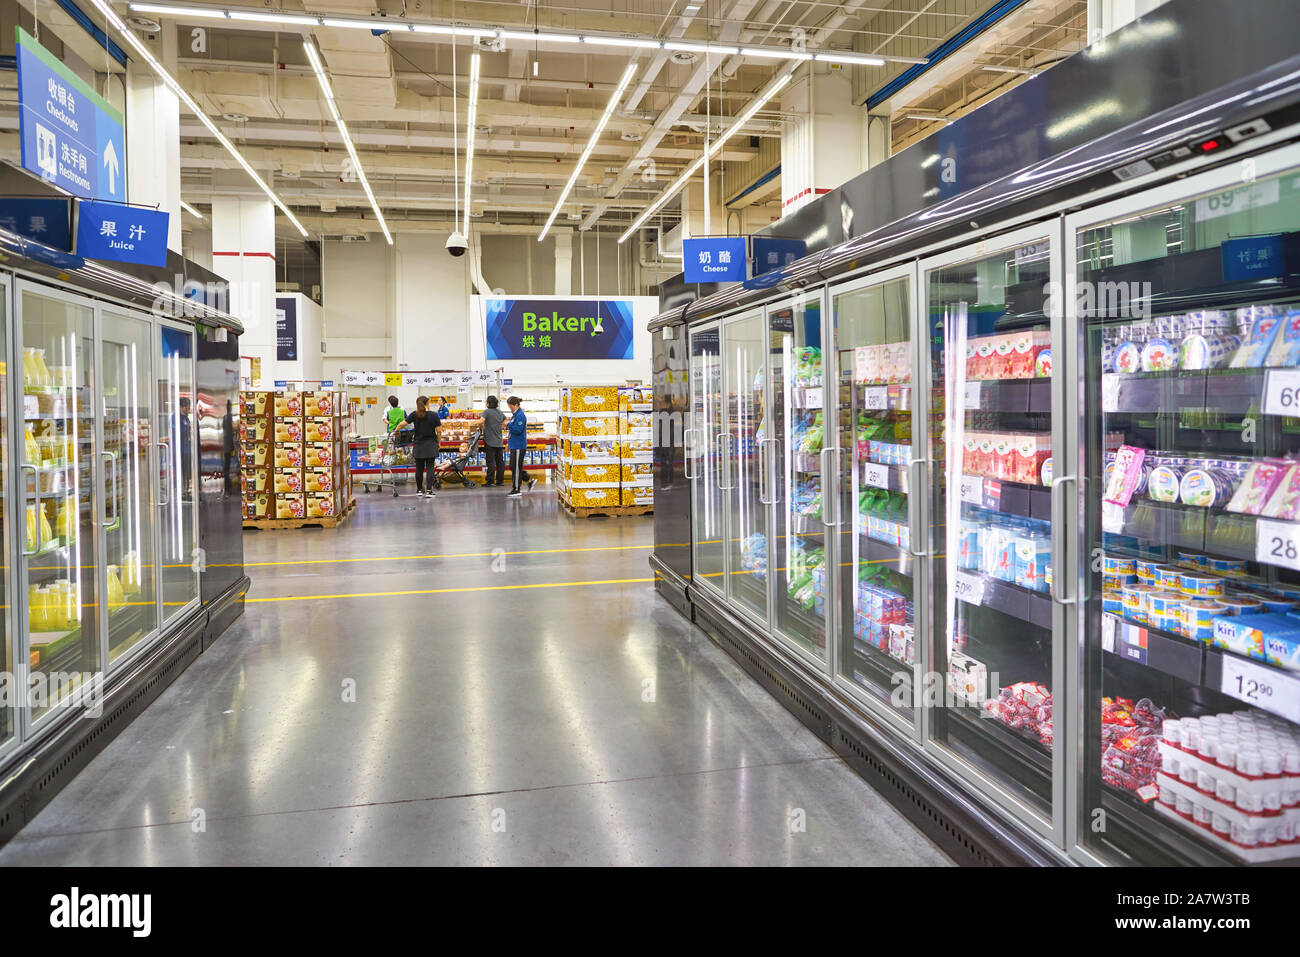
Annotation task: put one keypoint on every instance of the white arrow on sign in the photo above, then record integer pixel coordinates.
(110, 164)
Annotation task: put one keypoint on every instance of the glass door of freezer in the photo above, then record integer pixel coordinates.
(990, 518)
(60, 505)
(9, 424)
(177, 504)
(126, 395)
(872, 386)
(704, 457)
(791, 452)
(1188, 315)
(746, 426)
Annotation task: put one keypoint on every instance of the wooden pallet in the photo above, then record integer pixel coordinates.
(606, 511)
(318, 521)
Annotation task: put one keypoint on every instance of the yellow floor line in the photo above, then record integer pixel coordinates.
(414, 558)
(445, 591)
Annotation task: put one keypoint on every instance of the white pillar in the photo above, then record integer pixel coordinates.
(243, 253)
(821, 145)
(1107, 16)
(877, 137)
(563, 262)
(153, 137)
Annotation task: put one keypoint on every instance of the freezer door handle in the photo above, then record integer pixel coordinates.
(827, 497)
(36, 495)
(913, 503)
(166, 471)
(1060, 519)
(724, 464)
(112, 464)
(686, 455)
(766, 481)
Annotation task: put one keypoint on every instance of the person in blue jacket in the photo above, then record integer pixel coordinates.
(443, 410)
(518, 427)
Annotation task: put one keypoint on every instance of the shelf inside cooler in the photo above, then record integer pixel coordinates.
(1008, 395)
(876, 552)
(1183, 658)
(1222, 391)
(1034, 607)
(1020, 756)
(1010, 498)
(879, 671)
(1191, 527)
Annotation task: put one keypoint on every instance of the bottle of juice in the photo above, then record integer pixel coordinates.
(30, 447)
(116, 595)
(43, 377)
(66, 524)
(38, 600)
(29, 369)
(47, 533)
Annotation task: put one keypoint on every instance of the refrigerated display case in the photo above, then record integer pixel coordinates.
(997, 639)
(792, 454)
(876, 463)
(740, 476)
(1188, 305)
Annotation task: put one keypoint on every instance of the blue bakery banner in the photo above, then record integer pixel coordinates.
(68, 134)
(558, 328)
(128, 234)
(715, 259)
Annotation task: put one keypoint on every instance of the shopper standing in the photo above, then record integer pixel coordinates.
(518, 442)
(425, 423)
(494, 463)
(443, 410)
(396, 415)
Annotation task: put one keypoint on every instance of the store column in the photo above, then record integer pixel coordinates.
(822, 142)
(563, 261)
(243, 253)
(1107, 16)
(153, 137)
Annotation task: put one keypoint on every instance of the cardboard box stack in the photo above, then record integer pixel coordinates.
(294, 463)
(606, 450)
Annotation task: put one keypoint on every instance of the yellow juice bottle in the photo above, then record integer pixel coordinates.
(30, 446)
(47, 533)
(116, 594)
(66, 524)
(44, 379)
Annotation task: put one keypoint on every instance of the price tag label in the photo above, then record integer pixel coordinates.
(1282, 392)
(875, 474)
(1261, 686)
(1277, 543)
(875, 398)
(485, 378)
(1110, 392)
(972, 490)
(972, 395)
(1112, 518)
(968, 588)
(813, 398)
(372, 378)
(1108, 633)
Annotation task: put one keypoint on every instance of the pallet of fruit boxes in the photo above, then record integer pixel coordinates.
(606, 453)
(293, 459)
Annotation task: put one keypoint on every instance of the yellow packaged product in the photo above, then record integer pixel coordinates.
(594, 474)
(584, 426)
(318, 480)
(319, 430)
(318, 455)
(589, 398)
(288, 405)
(288, 456)
(594, 497)
(290, 505)
(288, 480)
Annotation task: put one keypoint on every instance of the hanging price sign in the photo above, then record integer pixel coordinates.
(875, 398)
(1281, 392)
(972, 490)
(875, 474)
(1261, 686)
(813, 398)
(968, 588)
(1277, 543)
(972, 395)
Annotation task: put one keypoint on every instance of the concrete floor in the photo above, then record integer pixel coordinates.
(502, 656)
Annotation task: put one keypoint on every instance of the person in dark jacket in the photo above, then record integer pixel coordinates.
(425, 423)
(494, 459)
(518, 442)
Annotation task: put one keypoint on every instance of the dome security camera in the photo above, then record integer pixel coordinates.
(457, 244)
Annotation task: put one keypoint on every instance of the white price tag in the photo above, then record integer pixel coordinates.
(448, 378)
(466, 379)
(484, 378)
(875, 398)
(1277, 543)
(1261, 686)
(1112, 518)
(430, 378)
(968, 588)
(352, 378)
(1108, 633)
(1282, 392)
(1110, 392)
(875, 474)
(972, 396)
(812, 398)
(972, 490)
(372, 378)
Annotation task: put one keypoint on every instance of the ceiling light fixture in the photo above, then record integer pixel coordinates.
(138, 45)
(469, 134)
(1010, 69)
(313, 56)
(505, 33)
(771, 90)
(190, 209)
(591, 145)
(927, 119)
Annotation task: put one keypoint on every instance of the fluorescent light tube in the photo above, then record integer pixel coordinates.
(692, 47)
(591, 145)
(774, 53)
(470, 122)
(290, 18)
(447, 31)
(539, 37)
(639, 43)
(190, 209)
(179, 11)
(857, 59)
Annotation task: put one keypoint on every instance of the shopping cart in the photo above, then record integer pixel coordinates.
(388, 452)
(451, 465)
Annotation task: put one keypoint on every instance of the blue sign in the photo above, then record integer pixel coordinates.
(125, 234)
(558, 328)
(327, 383)
(281, 383)
(46, 220)
(772, 253)
(68, 133)
(1252, 257)
(717, 259)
